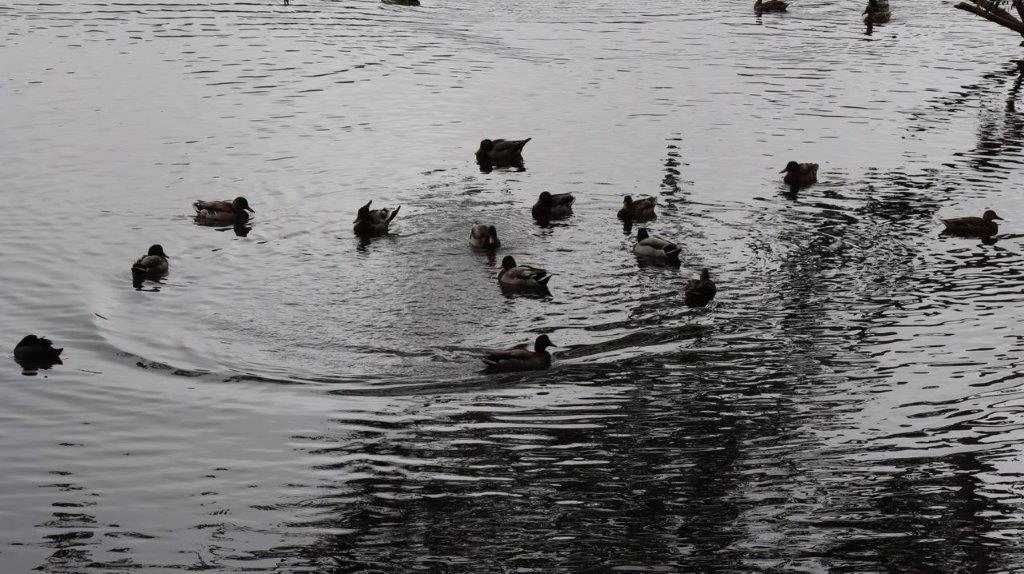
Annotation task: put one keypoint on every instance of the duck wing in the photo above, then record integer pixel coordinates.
(212, 206)
(506, 146)
(518, 352)
(564, 199)
(528, 273)
(660, 243)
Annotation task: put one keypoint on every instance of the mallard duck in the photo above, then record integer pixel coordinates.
(553, 206)
(501, 153)
(375, 221)
(525, 277)
(520, 357)
(770, 6)
(223, 211)
(984, 226)
(36, 351)
(637, 209)
(700, 292)
(877, 12)
(800, 173)
(152, 264)
(655, 248)
(484, 237)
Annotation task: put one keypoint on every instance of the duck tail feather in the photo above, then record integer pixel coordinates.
(522, 144)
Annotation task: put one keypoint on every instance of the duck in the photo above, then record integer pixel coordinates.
(501, 153)
(373, 222)
(525, 277)
(770, 6)
(877, 12)
(700, 292)
(484, 237)
(152, 264)
(520, 357)
(984, 226)
(637, 209)
(223, 211)
(798, 174)
(37, 351)
(553, 206)
(655, 248)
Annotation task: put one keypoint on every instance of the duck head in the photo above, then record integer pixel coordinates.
(545, 198)
(508, 262)
(705, 275)
(486, 146)
(642, 234)
(492, 235)
(542, 343)
(157, 250)
(627, 201)
(991, 216)
(241, 204)
(791, 167)
(872, 7)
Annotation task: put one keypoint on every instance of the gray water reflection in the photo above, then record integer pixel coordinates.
(292, 399)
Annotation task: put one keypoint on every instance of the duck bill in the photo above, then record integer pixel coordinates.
(250, 210)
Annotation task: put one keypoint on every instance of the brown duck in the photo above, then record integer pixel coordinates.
(800, 173)
(373, 221)
(520, 357)
(223, 211)
(553, 206)
(700, 292)
(637, 209)
(984, 226)
(877, 12)
(501, 153)
(770, 6)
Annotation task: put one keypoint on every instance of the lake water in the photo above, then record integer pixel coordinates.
(295, 400)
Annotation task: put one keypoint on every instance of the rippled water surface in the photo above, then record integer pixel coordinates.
(291, 399)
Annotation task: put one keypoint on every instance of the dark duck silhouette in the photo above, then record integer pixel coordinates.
(700, 292)
(373, 221)
(520, 357)
(37, 353)
(984, 226)
(553, 206)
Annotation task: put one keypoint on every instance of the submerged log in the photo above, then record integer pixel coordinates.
(997, 15)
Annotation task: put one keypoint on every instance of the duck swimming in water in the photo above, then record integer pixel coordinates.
(501, 153)
(233, 211)
(984, 226)
(800, 174)
(484, 237)
(637, 209)
(700, 292)
(655, 249)
(520, 357)
(522, 277)
(37, 352)
(877, 12)
(770, 6)
(151, 265)
(553, 206)
(373, 221)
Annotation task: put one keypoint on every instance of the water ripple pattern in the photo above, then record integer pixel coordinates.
(292, 399)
